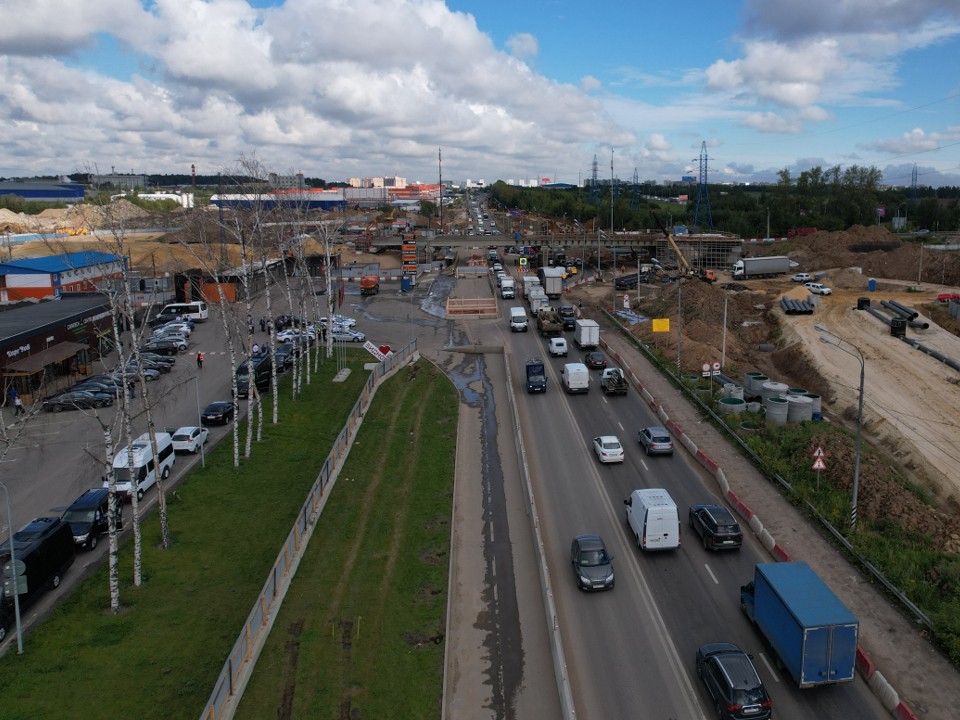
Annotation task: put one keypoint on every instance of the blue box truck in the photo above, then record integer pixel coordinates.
(812, 633)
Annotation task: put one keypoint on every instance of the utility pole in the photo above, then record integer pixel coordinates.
(440, 173)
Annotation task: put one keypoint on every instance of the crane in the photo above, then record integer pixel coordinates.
(705, 275)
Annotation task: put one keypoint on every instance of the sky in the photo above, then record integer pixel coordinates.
(482, 89)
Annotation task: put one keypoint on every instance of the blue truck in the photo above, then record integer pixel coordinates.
(812, 633)
(536, 375)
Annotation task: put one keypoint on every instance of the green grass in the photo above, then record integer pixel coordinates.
(160, 656)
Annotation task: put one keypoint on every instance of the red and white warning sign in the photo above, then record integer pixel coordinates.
(819, 464)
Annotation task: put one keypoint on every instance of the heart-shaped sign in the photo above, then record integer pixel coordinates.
(385, 349)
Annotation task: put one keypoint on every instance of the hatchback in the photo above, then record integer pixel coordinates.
(608, 448)
(591, 564)
(189, 439)
(595, 360)
(716, 526)
(655, 440)
(733, 683)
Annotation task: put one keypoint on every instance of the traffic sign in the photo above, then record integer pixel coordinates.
(819, 464)
(626, 301)
(706, 369)
(716, 368)
(19, 568)
(818, 453)
(20, 582)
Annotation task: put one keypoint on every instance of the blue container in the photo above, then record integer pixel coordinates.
(872, 284)
(406, 284)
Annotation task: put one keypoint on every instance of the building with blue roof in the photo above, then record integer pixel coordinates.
(51, 276)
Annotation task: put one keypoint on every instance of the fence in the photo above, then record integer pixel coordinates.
(236, 670)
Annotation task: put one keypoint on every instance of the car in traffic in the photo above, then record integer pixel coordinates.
(608, 448)
(345, 334)
(189, 439)
(592, 566)
(78, 400)
(568, 314)
(802, 277)
(219, 412)
(558, 347)
(595, 360)
(656, 440)
(732, 682)
(818, 288)
(717, 527)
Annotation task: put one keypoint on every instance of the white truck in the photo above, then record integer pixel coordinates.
(586, 334)
(537, 299)
(747, 268)
(575, 378)
(552, 280)
(528, 283)
(508, 288)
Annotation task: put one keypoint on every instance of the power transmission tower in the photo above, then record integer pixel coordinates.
(635, 200)
(595, 183)
(913, 185)
(703, 193)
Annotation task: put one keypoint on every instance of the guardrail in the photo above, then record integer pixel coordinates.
(243, 656)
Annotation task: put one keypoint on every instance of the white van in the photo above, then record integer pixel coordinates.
(196, 311)
(518, 319)
(143, 470)
(575, 378)
(652, 515)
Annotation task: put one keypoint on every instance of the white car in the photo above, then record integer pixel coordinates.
(558, 347)
(608, 448)
(802, 277)
(188, 439)
(341, 320)
(345, 334)
(818, 289)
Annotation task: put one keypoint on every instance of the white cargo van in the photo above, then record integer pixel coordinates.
(143, 469)
(575, 378)
(652, 515)
(518, 319)
(508, 288)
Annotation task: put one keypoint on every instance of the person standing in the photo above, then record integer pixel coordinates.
(263, 324)
(18, 408)
(200, 361)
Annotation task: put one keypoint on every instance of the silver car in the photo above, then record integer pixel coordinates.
(345, 334)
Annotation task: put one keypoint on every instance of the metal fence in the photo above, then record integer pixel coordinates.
(236, 670)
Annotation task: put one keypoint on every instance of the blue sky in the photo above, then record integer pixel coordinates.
(508, 90)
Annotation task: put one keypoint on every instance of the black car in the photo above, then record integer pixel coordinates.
(595, 360)
(591, 563)
(163, 346)
(716, 526)
(170, 360)
(78, 400)
(99, 386)
(217, 413)
(733, 683)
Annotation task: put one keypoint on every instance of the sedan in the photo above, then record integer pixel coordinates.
(595, 360)
(655, 440)
(130, 372)
(341, 320)
(78, 400)
(802, 277)
(112, 389)
(608, 448)
(818, 289)
(345, 334)
(716, 526)
(189, 439)
(217, 413)
(591, 563)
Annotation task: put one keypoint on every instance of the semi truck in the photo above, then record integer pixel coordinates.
(549, 322)
(812, 633)
(747, 268)
(586, 334)
(536, 375)
(552, 280)
(369, 285)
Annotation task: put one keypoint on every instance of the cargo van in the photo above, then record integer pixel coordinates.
(143, 469)
(575, 378)
(508, 288)
(89, 517)
(262, 374)
(518, 319)
(45, 547)
(653, 517)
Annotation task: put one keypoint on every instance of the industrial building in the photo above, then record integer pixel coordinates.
(55, 192)
(45, 277)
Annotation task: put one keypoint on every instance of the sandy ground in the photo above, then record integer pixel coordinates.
(909, 404)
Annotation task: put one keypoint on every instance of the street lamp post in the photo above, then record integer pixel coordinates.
(203, 459)
(838, 342)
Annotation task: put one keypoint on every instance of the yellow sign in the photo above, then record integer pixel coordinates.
(661, 324)
(523, 262)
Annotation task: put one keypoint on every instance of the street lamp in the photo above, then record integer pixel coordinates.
(838, 342)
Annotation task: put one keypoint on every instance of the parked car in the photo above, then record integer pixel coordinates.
(112, 389)
(189, 438)
(802, 277)
(164, 346)
(294, 335)
(608, 448)
(595, 360)
(78, 400)
(341, 320)
(818, 288)
(170, 360)
(592, 565)
(89, 517)
(130, 371)
(219, 412)
(170, 335)
(716, 526)
(733, 683)
(149, 364)
(345, 334)
(176, 326)
(655, 440)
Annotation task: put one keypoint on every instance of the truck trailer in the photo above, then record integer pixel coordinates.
(552, 280)
(812, 633)
(586, 334)
(747, 268)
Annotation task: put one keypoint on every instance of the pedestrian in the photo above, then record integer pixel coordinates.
(18, 408)
(200, 361)
(263, 324)
(256, 349)
(12, 394)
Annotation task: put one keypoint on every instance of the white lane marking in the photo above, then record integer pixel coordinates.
(773, 672)
(644, 465)
(710, 573)
(620, 424)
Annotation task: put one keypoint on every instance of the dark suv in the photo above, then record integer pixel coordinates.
(569, 316)
(733, 682)
(716, 526)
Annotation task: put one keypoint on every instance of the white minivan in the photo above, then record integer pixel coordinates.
(653, 517)
(143, 468)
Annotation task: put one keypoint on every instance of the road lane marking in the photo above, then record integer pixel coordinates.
(773, 672)
(710, 573)
(620, 424)
(644, 465)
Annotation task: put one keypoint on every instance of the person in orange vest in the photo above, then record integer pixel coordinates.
(200, 361)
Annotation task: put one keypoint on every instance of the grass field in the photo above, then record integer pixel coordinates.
(159, 657)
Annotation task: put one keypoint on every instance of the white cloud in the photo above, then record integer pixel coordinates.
(523, 45)
(768, 122)
(914, 141)
(588, 83)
